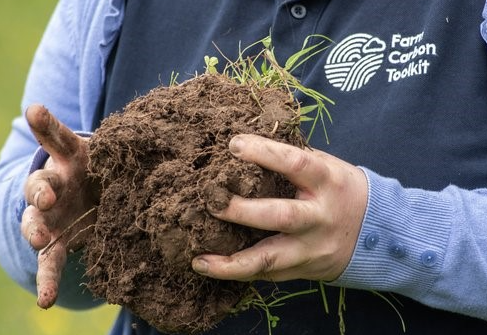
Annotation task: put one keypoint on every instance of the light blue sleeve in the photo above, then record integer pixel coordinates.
(483, 25)
(429, 246)
(53, 81)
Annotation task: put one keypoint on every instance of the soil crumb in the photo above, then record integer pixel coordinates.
(161, 164)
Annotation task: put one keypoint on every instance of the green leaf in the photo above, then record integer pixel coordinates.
(211, 63)
(267, 41)
(305, 118)
(263, 67)
(274, 319)
(295, 57)
(307, 109)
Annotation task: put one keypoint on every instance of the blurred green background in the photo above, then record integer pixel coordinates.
(21, 27)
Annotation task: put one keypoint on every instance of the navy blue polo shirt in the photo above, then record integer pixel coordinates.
(408, 79)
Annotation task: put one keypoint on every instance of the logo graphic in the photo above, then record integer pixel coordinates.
(353, 61)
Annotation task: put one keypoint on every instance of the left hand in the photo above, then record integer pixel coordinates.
(316, 232)
(61, 201)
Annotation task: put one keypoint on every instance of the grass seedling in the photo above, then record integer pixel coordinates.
(267, 304)
(263, 70)
(173, 80)
(277, 299)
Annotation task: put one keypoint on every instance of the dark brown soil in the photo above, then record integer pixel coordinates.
(161, 163)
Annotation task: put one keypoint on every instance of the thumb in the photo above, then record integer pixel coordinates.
(60, 142)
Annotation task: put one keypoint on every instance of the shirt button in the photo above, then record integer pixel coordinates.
(298, 11)
(371, 240)
(397, 250)
(429, 258)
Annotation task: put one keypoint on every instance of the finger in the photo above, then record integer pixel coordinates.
(282, 215)
(266, 260)
(60, 142)
(40, 189)
(51, 264)
(34, 228)
(299, 166)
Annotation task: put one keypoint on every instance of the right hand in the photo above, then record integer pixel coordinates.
(57, 196)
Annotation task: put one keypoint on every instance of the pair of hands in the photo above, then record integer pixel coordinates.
(317, 231)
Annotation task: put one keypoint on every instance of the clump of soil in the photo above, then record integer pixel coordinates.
(161, 163)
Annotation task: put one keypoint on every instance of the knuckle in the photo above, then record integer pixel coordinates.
(32, 185)
(299, 161)
(34, 230)
(324, 164)
(45, 199)
(52, 260)
(35, 181)
(286, 216)
(267, 263)
(40, 189)
(35, 220)
(231, 267)
(234, 211)
(38, 239)
(52, 179)
(35, 176)
(339, 184)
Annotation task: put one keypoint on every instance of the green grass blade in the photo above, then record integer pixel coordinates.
(307, 109)
(383, 297)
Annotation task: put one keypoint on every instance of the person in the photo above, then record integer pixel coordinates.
(395, 203)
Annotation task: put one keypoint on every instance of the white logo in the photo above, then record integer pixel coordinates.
(353, 61)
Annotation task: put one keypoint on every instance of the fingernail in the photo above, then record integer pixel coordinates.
(236, 145)
(200, 265)
(212, 209)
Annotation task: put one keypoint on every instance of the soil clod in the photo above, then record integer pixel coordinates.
(162, 163)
